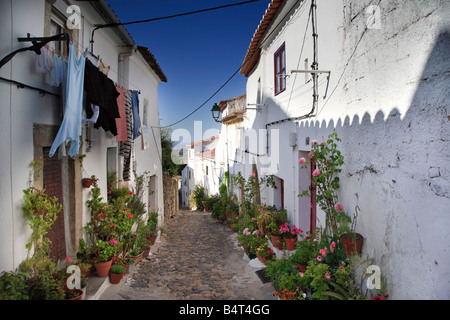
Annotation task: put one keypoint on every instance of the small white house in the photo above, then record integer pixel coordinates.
(33, 112)
(200, 169)
(377, 74)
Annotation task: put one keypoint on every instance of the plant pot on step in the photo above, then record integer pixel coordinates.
(152, 239)
(351, 242)
(138, 258)
(290, 245)
(277, 241)
(115, 278)
(102, 268)
(76, 294)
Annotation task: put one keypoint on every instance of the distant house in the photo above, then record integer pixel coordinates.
(377, 74)
(200, 169)
(33, 113)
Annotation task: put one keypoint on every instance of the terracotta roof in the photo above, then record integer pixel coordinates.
(204, 140)
(209, 154)
(150, 58)
(254, 51)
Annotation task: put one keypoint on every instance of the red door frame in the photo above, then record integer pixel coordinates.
(312, 189)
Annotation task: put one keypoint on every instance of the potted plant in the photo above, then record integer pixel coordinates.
(264, 253)
(351, 240)
(275, 235)
(116, 273)
(87, 182)
(104, 253)
(289, 234)
(306, 250)
(328, 161)
(13, 285)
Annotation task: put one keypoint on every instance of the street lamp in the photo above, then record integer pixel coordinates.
(215, 112)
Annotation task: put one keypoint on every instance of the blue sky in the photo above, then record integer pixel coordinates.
(198, 52)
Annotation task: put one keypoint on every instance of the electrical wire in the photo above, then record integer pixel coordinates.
(232, 76)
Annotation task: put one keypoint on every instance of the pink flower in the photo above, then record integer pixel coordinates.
(327, 275)
(314, 143)
(341, 267)
(332, 246)
(302, 160)
(311, 154)
(68, 259)
(253, 174)
(316, 172)
(113, 242)
(232, 197)
(300, 274)
(293, 240)
(338, 207)
(319, 258)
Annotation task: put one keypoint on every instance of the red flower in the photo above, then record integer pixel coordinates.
(130, 216)
(131, 192)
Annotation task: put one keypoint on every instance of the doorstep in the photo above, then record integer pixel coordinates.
(96, 286)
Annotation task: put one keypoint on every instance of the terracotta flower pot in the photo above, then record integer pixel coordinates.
(79, 297)
(277, 241)
(301, 267)
(290, 245)
(138, 258)
(103, 268)
(152, 239)
(352, 243)
(87, 182)
(115, 278)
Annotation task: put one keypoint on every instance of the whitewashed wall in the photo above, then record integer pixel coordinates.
(23, 107)
(388, 101)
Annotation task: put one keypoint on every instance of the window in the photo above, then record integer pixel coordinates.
(280, 69)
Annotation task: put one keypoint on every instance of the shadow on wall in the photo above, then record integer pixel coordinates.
(397, 171)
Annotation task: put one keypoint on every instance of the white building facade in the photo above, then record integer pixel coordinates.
(32, 119)
(381, 82)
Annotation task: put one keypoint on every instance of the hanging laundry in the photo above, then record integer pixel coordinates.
(41, 61)
(55, 76)
(95, 110)
(102, 92)
(136, 118)
(126, 146)
(103, 68)
(71, 126)
(121, 123)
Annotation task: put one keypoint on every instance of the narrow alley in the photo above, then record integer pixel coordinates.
(198, 258)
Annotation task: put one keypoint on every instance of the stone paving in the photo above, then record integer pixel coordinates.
(197, 258)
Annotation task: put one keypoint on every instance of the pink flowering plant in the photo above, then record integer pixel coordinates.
(328, 161)
(289, 232)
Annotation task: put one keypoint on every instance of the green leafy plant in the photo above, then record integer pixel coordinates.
(117, 269)
(13, 285)
(328, 161)
(41, 211)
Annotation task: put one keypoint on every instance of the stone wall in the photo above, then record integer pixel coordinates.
(170, 186)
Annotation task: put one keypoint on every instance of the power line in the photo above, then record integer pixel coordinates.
(229, 79)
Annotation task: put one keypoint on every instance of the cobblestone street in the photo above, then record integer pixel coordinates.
(197, 258)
